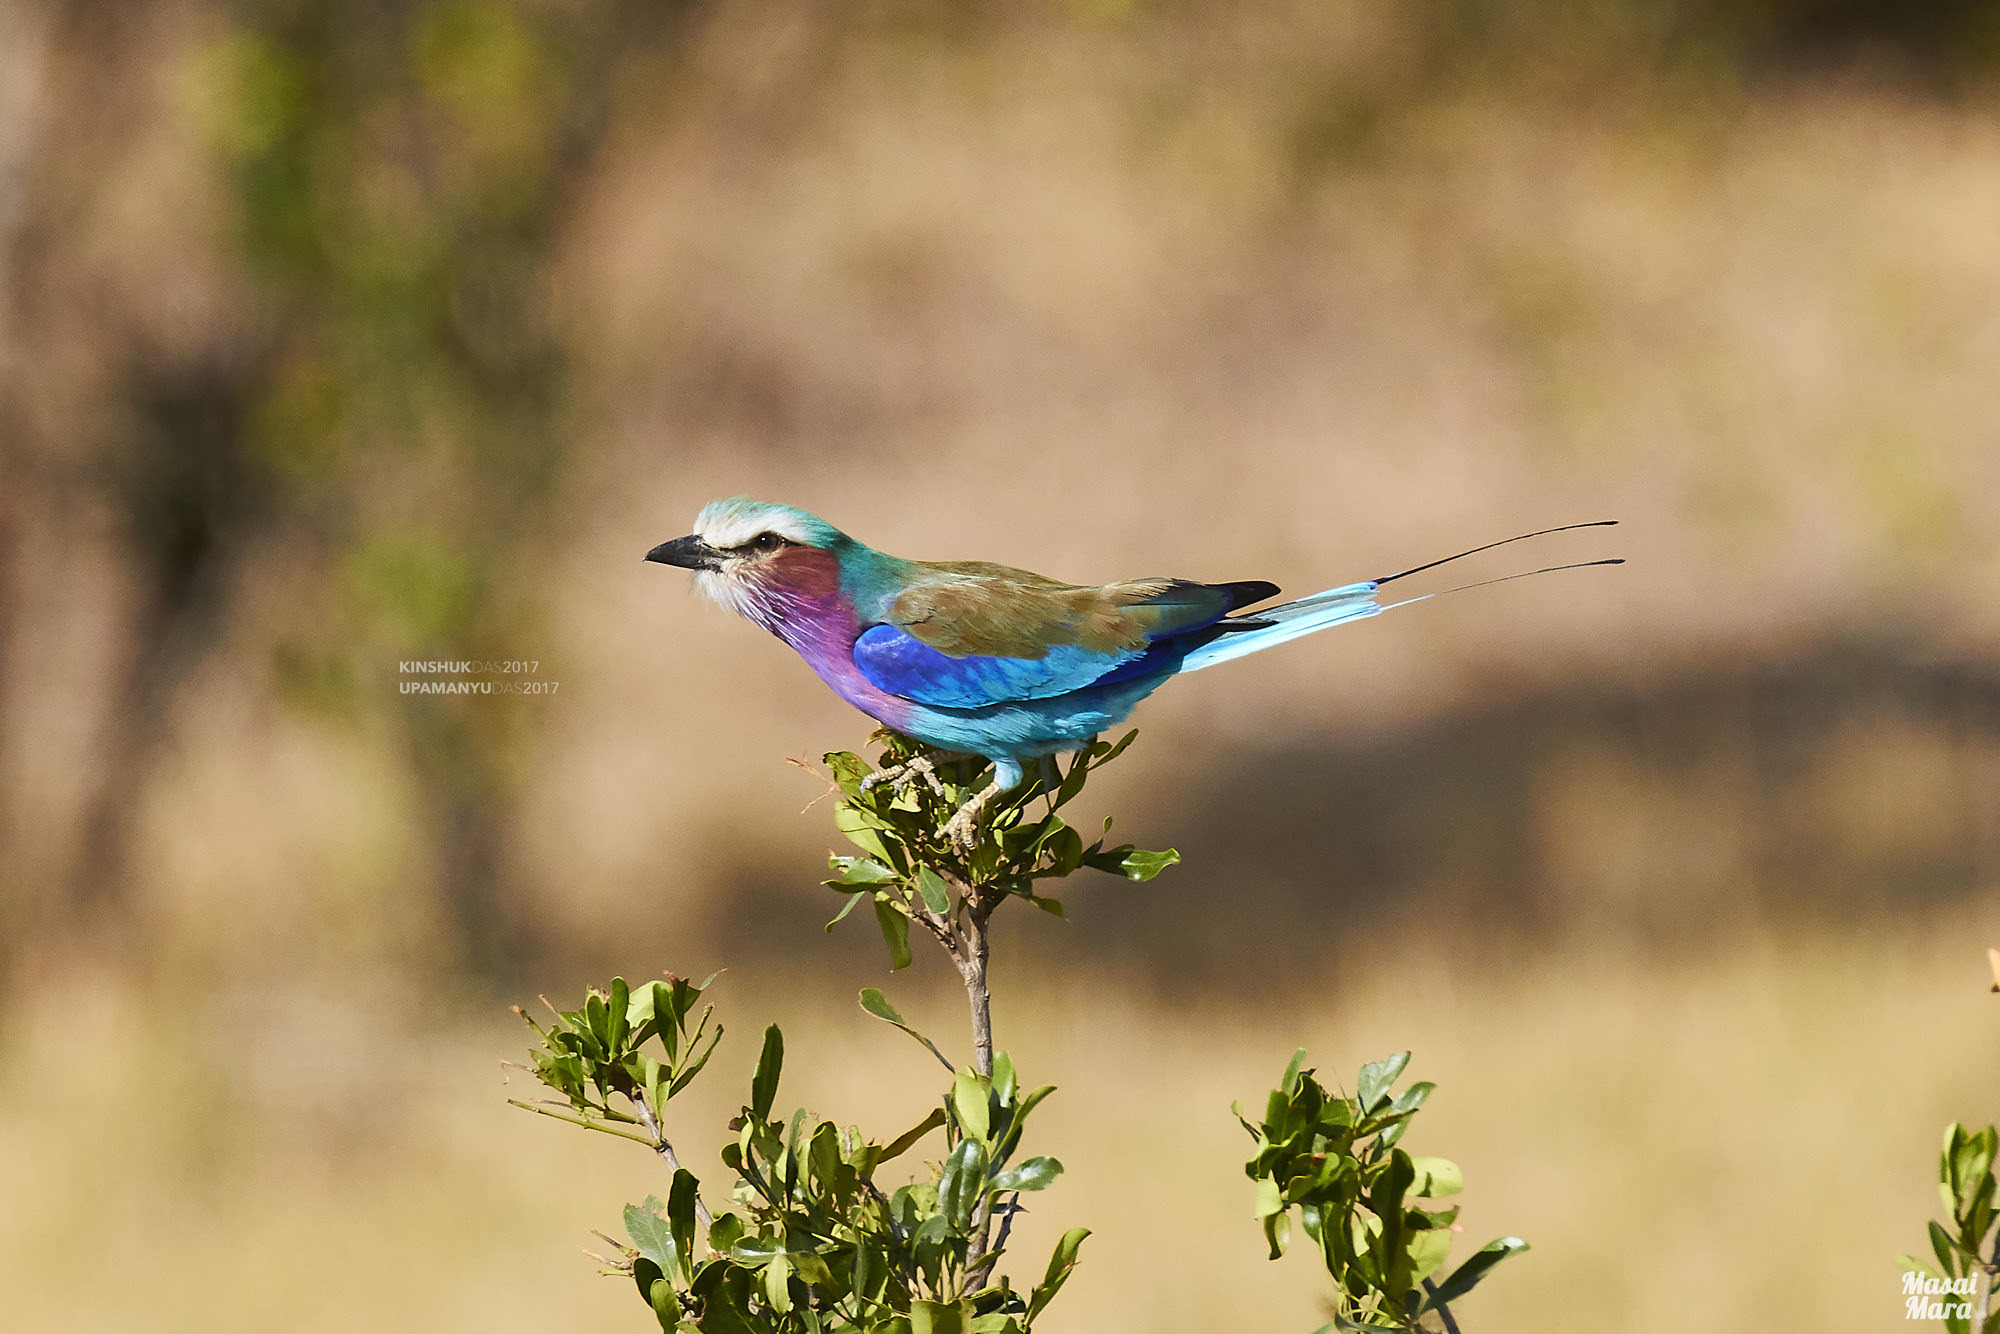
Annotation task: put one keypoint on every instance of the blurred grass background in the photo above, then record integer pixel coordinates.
(338, 334)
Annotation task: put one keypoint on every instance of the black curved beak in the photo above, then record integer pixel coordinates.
(690, 553)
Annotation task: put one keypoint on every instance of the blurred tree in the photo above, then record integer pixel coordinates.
(381, 410)
(403, 173)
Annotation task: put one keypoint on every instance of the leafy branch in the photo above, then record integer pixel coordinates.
(1960, 1290)
(811, 1243)
(912, 871)
(808, 1241)
(1336, 1160)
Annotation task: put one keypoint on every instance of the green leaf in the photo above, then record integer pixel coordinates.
(848, 769)
(1012, 1135)
(860, 830)
(1072, 781)
(680, 1218)
(1290, 1083)
(666, 1306)
(860, 871)
(895, 932)
(1098, 762)
(1061, 1263)
(1034, 1174)
(1971, 1165)
(725, 1315)
(969, 1100)
(1948, 1166)
(694, 1067)
(963, 1182)
(764, 1084)
(1376, 1077)
(724, 1231)
(1062, 845)
(873, 1001)
(1477, 1266)
(1427, 1248)
(1945, 1249)
(757, 1251)
(848, 907)
(1142, 865)
(1411, 1098)
(657, 1292)
(641, 1008)
(928, 1317)
(777, 1283)
(1436, 1177)
(936, 894)
(916, 1132)
(618, 1017)
(1278, 1232)
(1004, 1079)
(650, 1235)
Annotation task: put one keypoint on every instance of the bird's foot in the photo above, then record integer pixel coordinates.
(900, 776)
(962, 830)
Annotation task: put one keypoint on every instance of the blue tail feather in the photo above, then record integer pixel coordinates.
(1268, 627)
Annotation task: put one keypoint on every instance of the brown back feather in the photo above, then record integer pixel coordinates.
(966, 608)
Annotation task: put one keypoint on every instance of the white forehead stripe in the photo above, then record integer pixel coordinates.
(733, 525)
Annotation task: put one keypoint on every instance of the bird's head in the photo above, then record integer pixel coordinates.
(755, 558)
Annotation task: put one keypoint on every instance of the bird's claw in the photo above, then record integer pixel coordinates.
(962, 830)
(899, 776)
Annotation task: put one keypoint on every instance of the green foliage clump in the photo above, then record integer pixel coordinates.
(1335, 1159)
(599, 1049)
(812, 1242)
(1967, 1266)
(912, 870)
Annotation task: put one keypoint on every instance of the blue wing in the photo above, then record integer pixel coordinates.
(894, 661)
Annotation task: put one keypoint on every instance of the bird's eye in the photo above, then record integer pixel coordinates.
(766, 542)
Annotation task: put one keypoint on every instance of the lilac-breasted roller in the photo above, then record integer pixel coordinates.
(980, 659)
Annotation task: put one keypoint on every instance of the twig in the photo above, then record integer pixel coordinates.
(1437, 1304)
(666, 1150)
(832, 788)
(920, 912)
(621, 1265)
(578, 1121)
(1013, 1207)
(984, 1269)
(972, 967)
(1987, 1272)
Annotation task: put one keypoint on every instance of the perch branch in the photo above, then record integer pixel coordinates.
(666, 1150)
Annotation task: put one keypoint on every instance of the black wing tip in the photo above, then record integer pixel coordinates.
(1245, 592)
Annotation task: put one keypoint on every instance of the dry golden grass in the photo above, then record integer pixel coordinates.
(1740, 1142)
